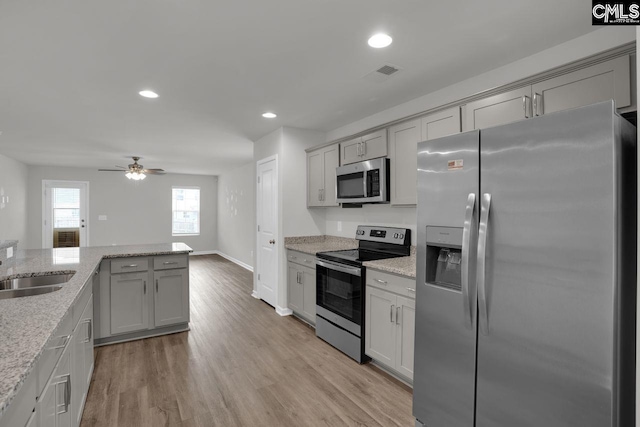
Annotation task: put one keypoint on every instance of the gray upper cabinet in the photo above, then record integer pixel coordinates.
(171, 296)
(321, 176)
(129, 302)
(499, 109)
(600, 82)
(403, 141)
(367, 147)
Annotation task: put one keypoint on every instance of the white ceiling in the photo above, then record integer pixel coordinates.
(70, 70)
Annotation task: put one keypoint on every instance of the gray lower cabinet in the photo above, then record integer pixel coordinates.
(54, 405)
(171, 299)
(390, 321)
(82, 361)
(129, 303)
(301, 285)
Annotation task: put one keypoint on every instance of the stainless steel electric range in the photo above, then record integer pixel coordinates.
(340, 282)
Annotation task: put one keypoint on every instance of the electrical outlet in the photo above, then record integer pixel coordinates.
(102, 217)
(339, 225)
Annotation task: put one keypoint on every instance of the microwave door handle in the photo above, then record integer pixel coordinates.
(365, 178)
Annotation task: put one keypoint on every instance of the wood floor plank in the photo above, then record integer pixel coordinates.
(241, 364)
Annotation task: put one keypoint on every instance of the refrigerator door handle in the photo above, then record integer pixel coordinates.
(466, 242)
(482, 247)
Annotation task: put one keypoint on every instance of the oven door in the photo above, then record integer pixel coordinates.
(339, 290)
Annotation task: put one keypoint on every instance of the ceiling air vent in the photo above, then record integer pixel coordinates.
(387, 70)
(382, 73)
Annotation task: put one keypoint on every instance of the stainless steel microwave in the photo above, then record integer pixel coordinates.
(363, 182)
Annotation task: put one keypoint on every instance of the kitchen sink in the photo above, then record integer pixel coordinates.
(26, 292)
(35, 285)
(35, 281)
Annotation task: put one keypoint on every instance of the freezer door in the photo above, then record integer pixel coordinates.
(445, 341)
(546, 345)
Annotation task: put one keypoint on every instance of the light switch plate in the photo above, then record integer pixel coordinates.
(9, 252)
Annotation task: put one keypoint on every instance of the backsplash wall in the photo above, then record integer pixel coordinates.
(344, 221)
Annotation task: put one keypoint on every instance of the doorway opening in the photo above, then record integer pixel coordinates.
(65, 210)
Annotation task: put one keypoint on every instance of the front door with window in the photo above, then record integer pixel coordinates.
(65, 219)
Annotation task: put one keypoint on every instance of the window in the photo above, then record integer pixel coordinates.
(66, 207)
(186, 211)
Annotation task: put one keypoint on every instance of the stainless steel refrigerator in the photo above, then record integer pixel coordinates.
(526, 274)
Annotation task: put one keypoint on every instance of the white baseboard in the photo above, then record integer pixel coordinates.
(283, 311)
(235, 261)
(203, 253)
(255, 294)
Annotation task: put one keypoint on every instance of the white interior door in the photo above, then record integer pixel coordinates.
(267, 208)
(65, 214)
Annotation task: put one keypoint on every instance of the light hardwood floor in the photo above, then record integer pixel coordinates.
(240, 365)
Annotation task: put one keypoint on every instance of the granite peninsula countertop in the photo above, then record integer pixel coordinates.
(313, 244)
(26, 324)
(404, 266)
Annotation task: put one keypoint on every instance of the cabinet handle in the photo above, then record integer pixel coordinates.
(397, 314)
(411, 289)
(524, 105)
(537, 104)
(90, 331)
(364, 148)
(169, 262)
(144, 287)
(67, 394)
(66, 340)
(156, 285)
(391, 313)
(380, 281)
(130, 266)
(319, 195)
(358, 149)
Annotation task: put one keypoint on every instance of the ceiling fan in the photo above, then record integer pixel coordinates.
(135, 170)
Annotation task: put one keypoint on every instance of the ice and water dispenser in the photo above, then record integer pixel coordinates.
(444, 257)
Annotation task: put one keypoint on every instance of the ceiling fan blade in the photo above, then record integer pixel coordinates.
(122, 167)
(111, 170)
(154, 171)
(157, 170)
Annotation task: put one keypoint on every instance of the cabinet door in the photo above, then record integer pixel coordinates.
(331, 158)
(406, 323)
(403, 142)
(315, 178)
(380, 327)
(63, 389)
(350, 151)
(374, 145)
(171, 297)
(77, 371)
(295, 288)
(600, 82)
(499, 109)
(129, 303)
(442, 123)
(47, 405)
(309, 294)
(87, 319)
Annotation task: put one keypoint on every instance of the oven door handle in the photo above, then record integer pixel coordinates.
(354, 271)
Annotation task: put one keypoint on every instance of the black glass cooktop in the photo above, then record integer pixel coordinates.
(355, 256)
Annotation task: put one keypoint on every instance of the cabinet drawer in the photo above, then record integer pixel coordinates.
(129, 265)
(167, 262)
(390, 282)
(53, 350)
(302, 259)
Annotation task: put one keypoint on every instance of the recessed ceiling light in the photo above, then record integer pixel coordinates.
(269, 115)
(148, 94)
(380, 40)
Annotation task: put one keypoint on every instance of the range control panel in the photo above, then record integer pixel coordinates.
(398, 236)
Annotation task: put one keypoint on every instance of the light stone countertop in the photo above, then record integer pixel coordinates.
(313, 244)
(404, 266)
(27, 323)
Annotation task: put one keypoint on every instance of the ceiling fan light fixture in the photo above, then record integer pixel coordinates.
(136, 176)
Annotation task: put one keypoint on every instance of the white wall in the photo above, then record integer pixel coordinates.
(137, 211)
(573, 50)
(343, 222)
(13, 213)
(236, 213)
